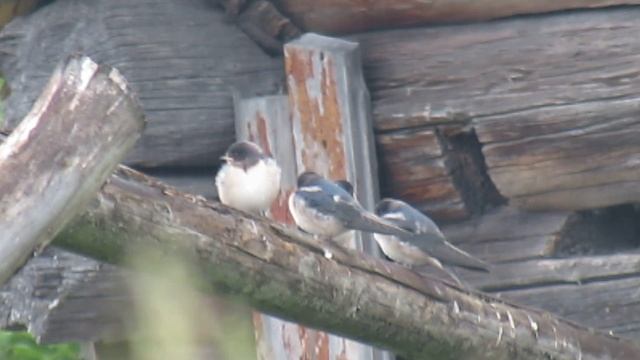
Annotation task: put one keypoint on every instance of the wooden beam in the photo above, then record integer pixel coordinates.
(349, 16)
(332, 134)
(284, 273)
(53, 163)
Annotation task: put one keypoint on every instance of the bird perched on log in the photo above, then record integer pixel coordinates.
(426, 246)
(323, 207)
(249, 180)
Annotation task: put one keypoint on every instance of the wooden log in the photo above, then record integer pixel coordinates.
(61, 296)
(555, 118)
(284, 273)
(414, 167)
(182, 58)
(438, 170)
(549, 272)
(608, 303)
(348, 16)
(80, 128)
(263, 23)
(507, 234)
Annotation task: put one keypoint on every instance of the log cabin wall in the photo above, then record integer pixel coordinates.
(477, 124)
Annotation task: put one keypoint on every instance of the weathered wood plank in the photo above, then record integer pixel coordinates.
(348, 16)
(545, 95)
(236, 253)
(182, 58)
(78, 131)
(332, 135)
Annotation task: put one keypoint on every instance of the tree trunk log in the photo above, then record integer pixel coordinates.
(80, 128)
(349, 16)
(284, 273)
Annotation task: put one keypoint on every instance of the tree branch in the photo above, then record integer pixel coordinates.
(282, 272)
(53, 163)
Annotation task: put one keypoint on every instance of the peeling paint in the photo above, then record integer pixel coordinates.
(317, 114)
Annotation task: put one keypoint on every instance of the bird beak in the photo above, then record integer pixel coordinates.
(225, 158)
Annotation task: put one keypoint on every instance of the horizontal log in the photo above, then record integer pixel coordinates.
(546, 272)
(414, 167)
(95, 119)
(184, 77)
(609, 304)
(284, 273)
(348, 16)
(556, 118)
(94, 297)
(236, 253)
(507, 234)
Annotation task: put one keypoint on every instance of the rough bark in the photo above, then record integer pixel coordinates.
(349, 16)
(183, 58)
(80, 128)
(60, 296)
(284, 273)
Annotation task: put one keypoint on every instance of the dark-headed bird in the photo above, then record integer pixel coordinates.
(249, 180)
(427, 245)
(326, 208)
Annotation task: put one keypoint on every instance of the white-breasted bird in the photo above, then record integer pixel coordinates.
(427, 245)
(249, 180)
(326, 208)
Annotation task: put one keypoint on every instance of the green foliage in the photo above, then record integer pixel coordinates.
(16, 345)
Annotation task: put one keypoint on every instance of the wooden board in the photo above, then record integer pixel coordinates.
(182, 57)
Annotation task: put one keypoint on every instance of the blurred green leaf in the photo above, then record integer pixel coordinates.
(19, 345)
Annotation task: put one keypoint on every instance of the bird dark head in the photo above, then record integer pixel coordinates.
(388, 205)
(243, 154)
(308, 178)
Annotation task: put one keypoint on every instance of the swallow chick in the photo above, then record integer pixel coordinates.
(322, 207)
(249, 180)
(427, 245)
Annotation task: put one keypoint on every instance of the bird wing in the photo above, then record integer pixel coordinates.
(436, 246)
(355, 217)
(428, 238)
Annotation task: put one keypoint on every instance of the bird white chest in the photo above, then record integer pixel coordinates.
(312, 221)
(252, 190)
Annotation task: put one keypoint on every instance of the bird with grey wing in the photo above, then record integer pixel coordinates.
(322, 207)
(249, 180)
(425, 246)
